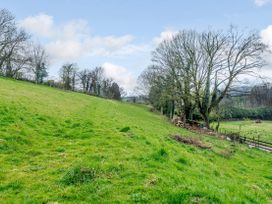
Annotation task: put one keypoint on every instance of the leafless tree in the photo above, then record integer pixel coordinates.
(68, 75)
(84, 79)
(173, 62)
(39, 62)
(96, 77)
(12, 42)
(225, 56)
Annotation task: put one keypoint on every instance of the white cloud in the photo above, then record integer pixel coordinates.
(266, 36)
(121, 75)
(41, 24)
(165, 35)
(112, 42)
(73, 40)
(262, 2)
(75, 29)
(109, 45)
(64, 50)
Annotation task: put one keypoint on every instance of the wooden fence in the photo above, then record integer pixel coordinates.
(254, 141)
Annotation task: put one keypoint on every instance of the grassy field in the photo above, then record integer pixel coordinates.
(249, 128)
(65, 147)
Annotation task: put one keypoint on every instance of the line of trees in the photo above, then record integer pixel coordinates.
(194, 71)
(89, 81)
(20, 58)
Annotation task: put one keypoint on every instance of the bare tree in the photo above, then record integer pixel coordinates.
(39, 62)
(224, 58)
(172, 67)
(115, 91)
(12, 42)
(68, 76)
(83, 77)
(7, 27)
(96, 76)
(105, 88)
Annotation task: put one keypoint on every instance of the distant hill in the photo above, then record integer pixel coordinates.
(240, 91)
(64, 147)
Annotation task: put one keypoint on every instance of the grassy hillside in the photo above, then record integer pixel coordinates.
(65, 147)
(249, 128)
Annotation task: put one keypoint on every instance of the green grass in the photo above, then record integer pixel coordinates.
(66, 147)
(249, 128)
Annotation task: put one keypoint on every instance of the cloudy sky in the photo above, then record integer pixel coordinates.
(120, 34)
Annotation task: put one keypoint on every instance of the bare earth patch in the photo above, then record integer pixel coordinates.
(191, 141)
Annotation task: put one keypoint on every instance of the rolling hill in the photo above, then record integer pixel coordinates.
(65, 147)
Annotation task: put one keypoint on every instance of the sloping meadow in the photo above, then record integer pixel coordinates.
(58, 146)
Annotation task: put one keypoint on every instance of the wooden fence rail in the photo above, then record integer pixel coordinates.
(254, 141)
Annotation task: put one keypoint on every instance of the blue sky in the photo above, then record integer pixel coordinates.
(120, 34)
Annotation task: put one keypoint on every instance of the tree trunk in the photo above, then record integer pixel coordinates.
(173, 109)
(206, 120)
(188, 111)
(187, 101)
(218, 124)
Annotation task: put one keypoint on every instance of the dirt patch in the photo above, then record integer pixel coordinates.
(191, 141)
